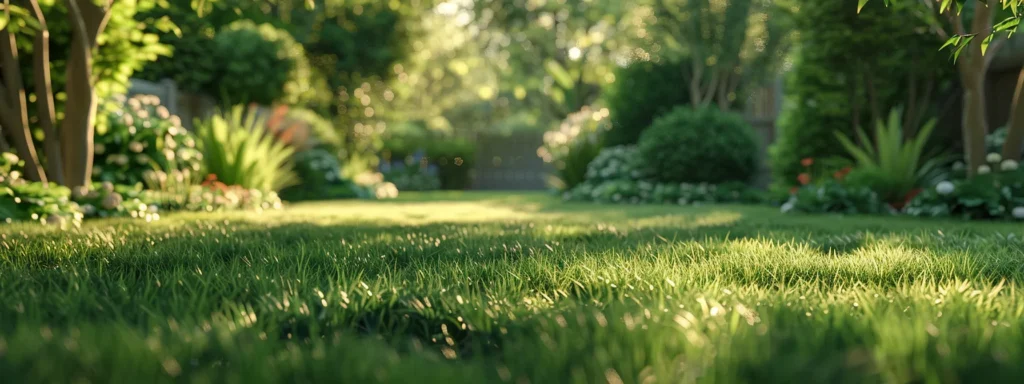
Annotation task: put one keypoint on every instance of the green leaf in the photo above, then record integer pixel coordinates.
(560, 75)
(861, 4)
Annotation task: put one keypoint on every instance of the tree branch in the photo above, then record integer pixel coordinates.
(16, 122)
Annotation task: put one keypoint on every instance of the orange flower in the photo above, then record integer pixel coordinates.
(807, 161)
(804, 178)
(841, 174)
(792, 191)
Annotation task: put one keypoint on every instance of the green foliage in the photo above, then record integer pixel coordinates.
(260, 64)
(239, 151)
(619, 175)
(695, 146)
(324, 134)
(412, 173)
(24, 201)
(1006, 25)
(730, 47)
(455, 159)
(450, 158)
(891, 165)
(849, 66)
(142, 136)
(997, 193)
(642, 92)
(646, 192)
(833, 196)
(618, 163)
(321, 179)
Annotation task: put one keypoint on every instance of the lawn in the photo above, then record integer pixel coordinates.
(475, 288)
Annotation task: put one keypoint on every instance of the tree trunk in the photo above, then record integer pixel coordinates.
(1015, 136)
(14, 108)
(44, 98)
(77, 128)
(975, 125)
(973, 65)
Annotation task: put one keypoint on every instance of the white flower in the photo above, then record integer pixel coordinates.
(1018, 213)
(993, 158)
(984, 170)
(1009, 165)
(959, 166)
(944, 188)
(112, 201)
(136, 147)
(107, 187)
(788, 206)
(99, 149)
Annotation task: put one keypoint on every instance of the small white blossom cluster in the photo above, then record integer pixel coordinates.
(585, 124)
(974, 197)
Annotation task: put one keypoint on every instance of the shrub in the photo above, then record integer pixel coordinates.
(22, 201)
(574, 145)
(240, 152)
(454, 159)
(996, 193)
(642, 92)
(259, 64)
(413, 173)
(890, 165)
(143, 136)
(617, 163)
(321, 178)
(833, 196)
(705, 145)
(617, 175)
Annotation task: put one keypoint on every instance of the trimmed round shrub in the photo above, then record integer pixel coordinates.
(700, 146)
(260, 64)
(642, 92)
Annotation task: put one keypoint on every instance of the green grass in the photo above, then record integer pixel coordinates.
(474, 288)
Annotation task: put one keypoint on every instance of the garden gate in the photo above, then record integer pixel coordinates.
(510, 162)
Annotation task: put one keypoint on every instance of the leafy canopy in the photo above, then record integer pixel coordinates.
(959, 41)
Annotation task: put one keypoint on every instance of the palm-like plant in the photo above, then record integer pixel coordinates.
(239, 150)
(893, 166)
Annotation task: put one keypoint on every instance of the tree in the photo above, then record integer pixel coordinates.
(847, 72)
(558, 54)
(970, 29)
(68, 139)
(723, 47)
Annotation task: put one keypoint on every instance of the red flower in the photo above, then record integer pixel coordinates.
(792, 191)
(804, 178)
(807, 161)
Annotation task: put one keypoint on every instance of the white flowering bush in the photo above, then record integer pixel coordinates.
(617, 175)
(995, 192)
(141, 136)
(575, 144)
